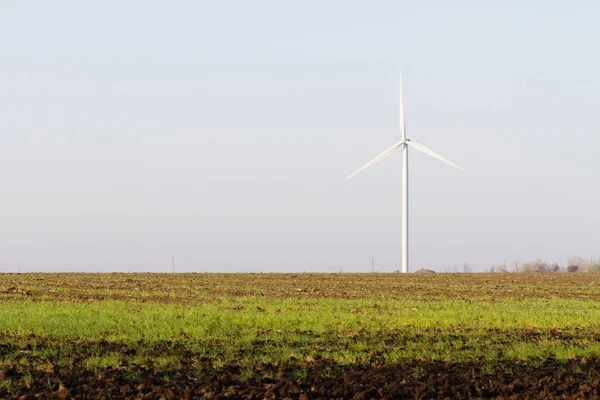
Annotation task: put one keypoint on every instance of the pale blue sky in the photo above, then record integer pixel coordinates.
(221, 132)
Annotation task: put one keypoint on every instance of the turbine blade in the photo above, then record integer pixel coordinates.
(432, 153)
(379, 157)
(402, 124)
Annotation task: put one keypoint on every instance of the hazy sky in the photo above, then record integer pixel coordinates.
(221, 133)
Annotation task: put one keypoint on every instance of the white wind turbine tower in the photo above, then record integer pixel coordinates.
(404, 144)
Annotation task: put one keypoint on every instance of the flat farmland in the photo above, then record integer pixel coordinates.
(299, 336)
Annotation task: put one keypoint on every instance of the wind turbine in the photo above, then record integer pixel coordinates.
(404, 144)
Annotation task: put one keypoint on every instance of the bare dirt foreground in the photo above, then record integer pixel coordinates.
(299, 336)
(408, 380)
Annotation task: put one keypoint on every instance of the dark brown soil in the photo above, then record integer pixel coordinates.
(576, 379)
(194, 376)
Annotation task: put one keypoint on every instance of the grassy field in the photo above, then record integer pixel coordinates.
(299, 335)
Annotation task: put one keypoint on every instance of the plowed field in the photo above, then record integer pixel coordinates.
(299, 336)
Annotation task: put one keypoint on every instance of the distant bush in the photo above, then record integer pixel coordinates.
(573, 268)
(555, 268)
(536, 266)
(593, 268)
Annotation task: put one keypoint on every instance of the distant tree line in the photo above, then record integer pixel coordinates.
(574, 264)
